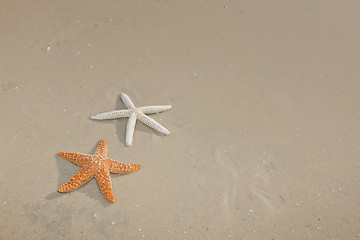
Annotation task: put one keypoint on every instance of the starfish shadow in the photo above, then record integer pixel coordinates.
(65, 174)
(120, 123)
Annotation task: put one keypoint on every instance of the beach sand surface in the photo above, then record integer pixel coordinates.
(264, 123)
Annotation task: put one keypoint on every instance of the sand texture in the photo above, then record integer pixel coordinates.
(264, 123)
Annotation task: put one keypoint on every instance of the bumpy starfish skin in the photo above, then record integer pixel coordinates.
(134, 113)
(98, 166)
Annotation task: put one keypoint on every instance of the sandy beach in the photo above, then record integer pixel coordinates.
(264, 123)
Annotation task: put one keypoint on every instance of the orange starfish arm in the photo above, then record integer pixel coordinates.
(102, 149)
(104, 181)
(77, 158)
(78, 180)
(118, 167)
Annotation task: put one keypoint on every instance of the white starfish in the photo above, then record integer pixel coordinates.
(134, 113)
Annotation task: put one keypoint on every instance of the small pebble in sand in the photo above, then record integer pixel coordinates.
(48, 48)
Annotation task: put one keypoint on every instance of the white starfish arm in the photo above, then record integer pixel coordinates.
(154, 109)
(130, 127)
(128, 103)
(152, 123)
(112, 115)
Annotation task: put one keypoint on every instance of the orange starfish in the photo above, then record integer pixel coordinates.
(98, 166)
